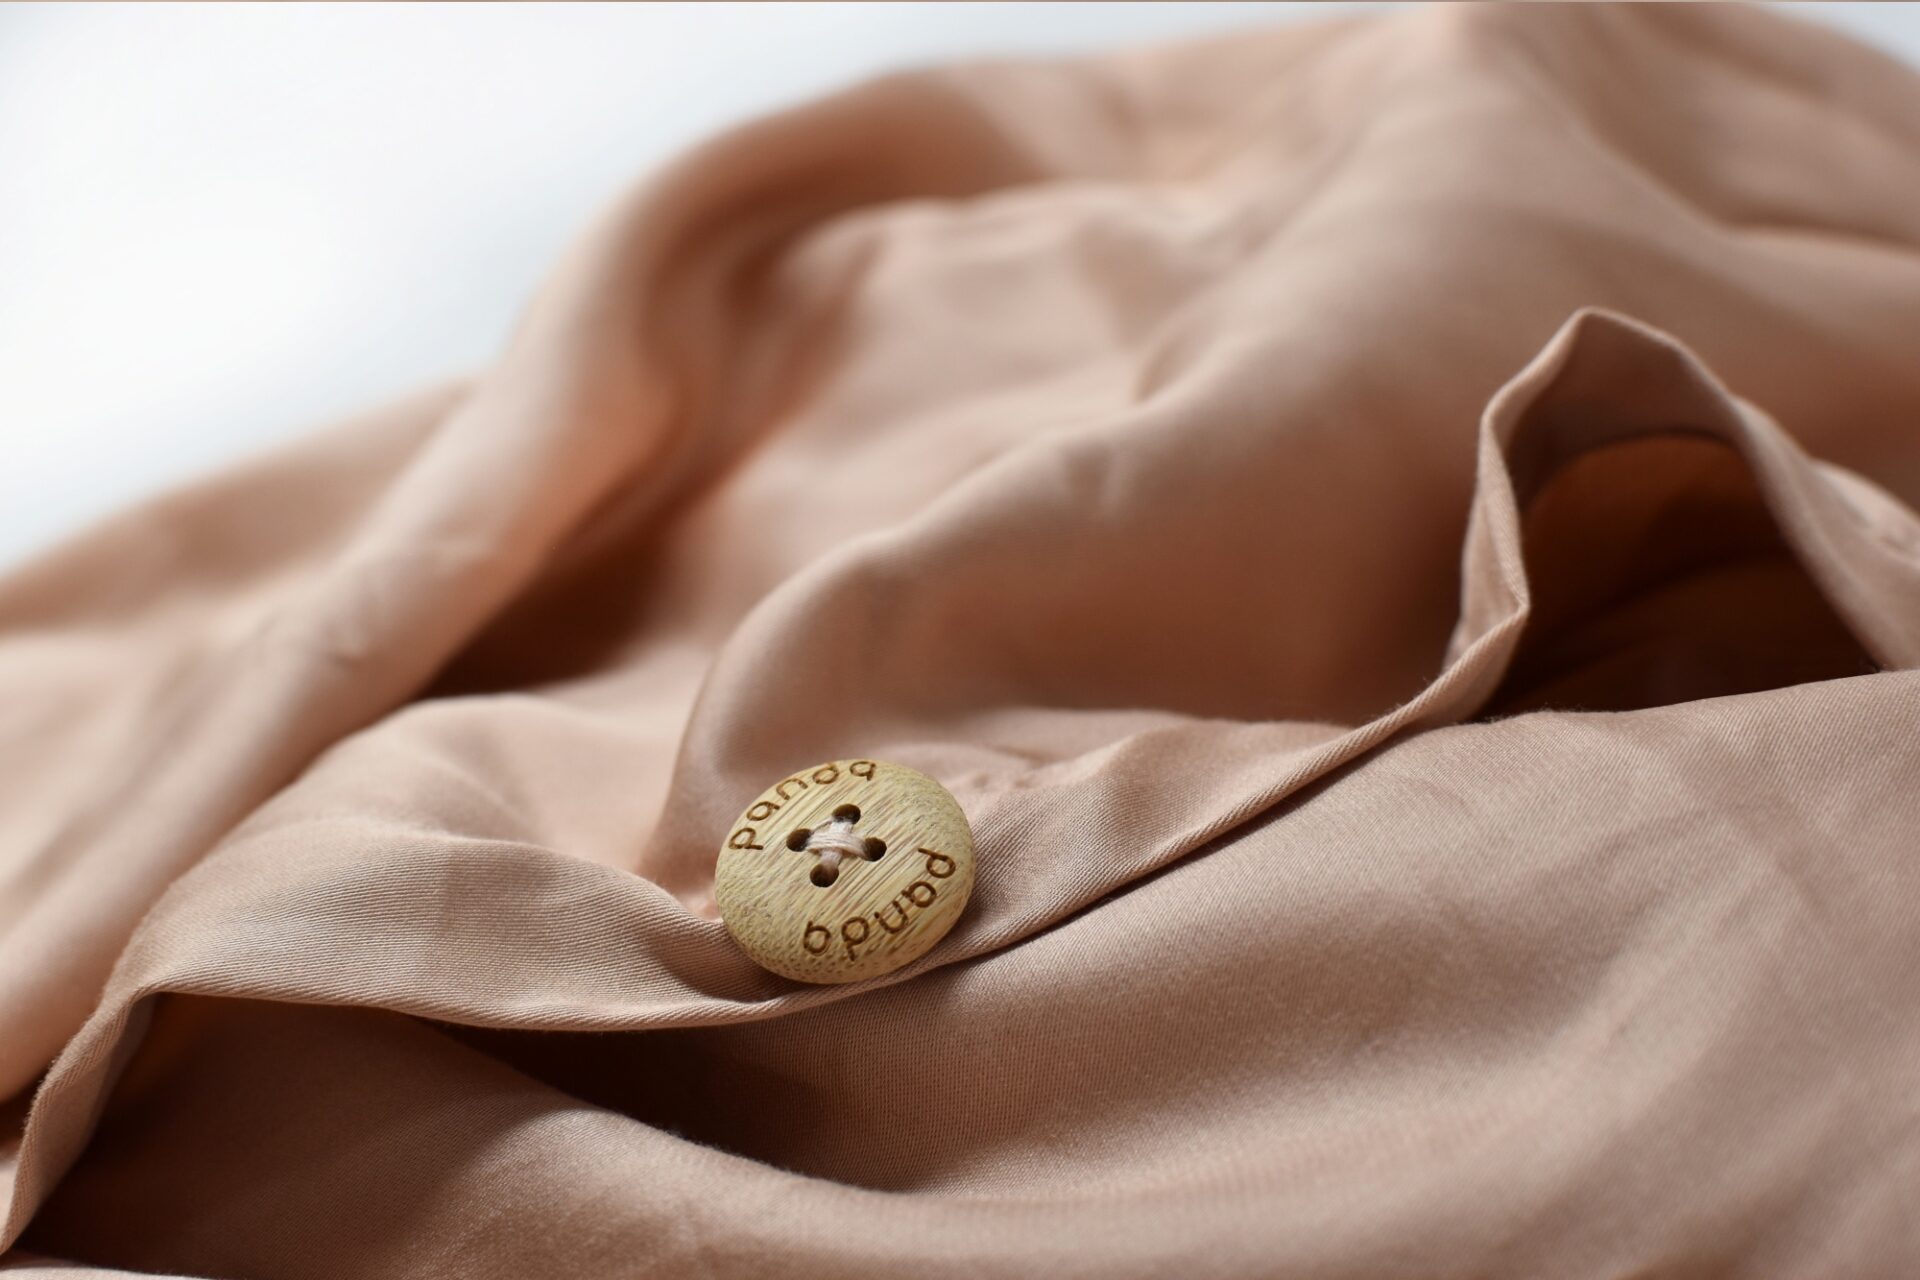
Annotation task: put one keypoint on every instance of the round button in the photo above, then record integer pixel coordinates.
(845, 871)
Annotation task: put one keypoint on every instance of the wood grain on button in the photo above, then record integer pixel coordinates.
(845, 871)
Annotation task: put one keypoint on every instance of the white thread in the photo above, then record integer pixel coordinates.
(836, 842)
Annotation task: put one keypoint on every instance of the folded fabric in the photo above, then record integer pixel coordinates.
(1397, 532)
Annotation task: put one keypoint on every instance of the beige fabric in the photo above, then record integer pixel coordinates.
(1442, 751)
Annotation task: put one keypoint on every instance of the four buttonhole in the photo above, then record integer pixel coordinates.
(836, 836)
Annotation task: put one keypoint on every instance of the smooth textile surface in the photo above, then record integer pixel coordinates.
(1398, 533)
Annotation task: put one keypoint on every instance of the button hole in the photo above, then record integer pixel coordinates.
(847, 813)
(875, 848)
(824, 875)
(798, 840)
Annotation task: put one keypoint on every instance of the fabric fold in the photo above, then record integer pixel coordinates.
(472, 928)
(600, 410)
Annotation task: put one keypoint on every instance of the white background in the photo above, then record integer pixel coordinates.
(221, 225)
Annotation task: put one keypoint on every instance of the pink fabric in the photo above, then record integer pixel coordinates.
(1397, 532)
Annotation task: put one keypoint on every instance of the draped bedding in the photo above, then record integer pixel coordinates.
(1398, 532)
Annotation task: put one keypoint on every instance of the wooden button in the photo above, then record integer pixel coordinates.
(845, 871)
